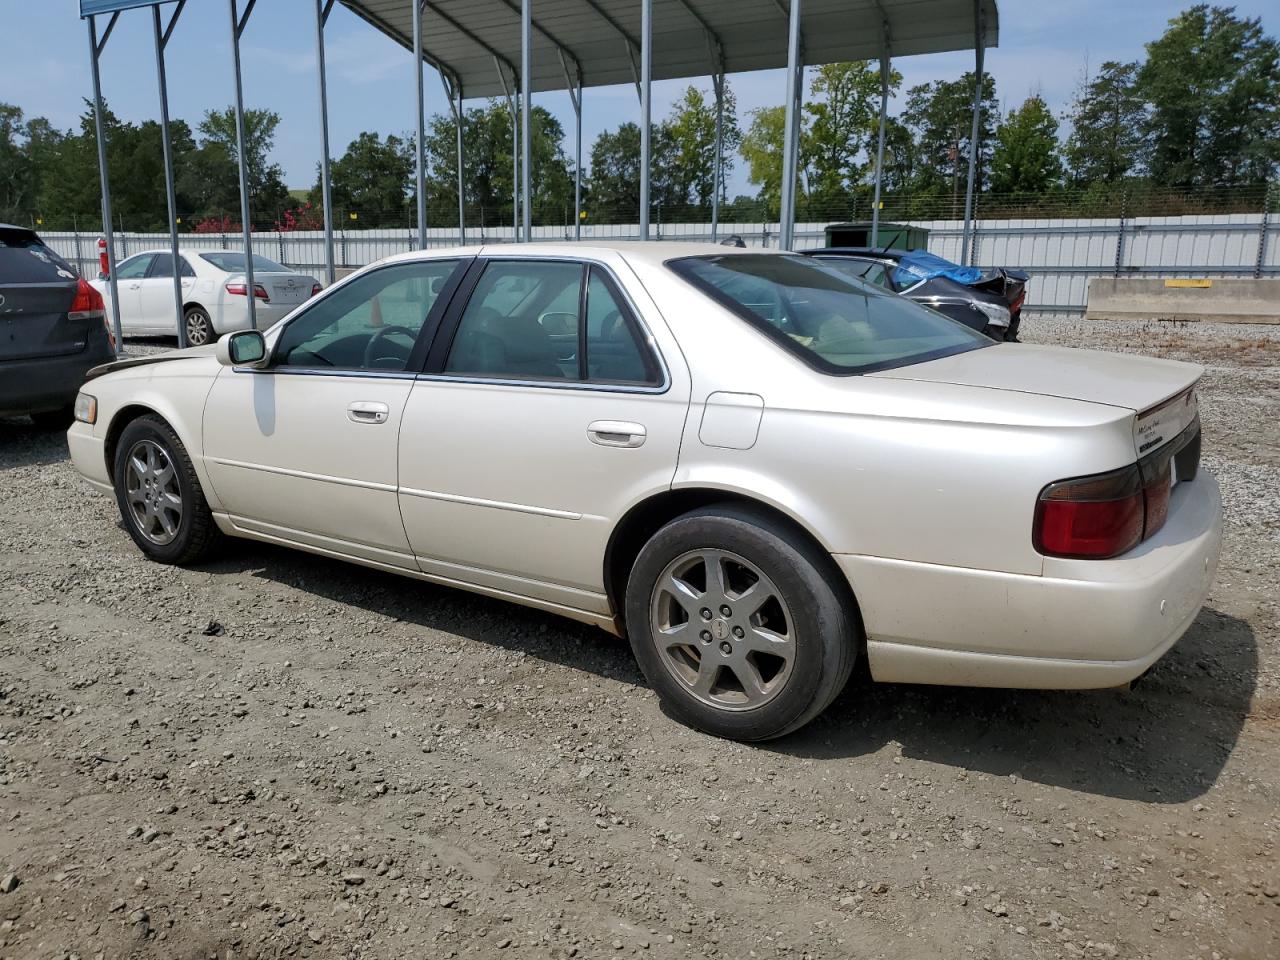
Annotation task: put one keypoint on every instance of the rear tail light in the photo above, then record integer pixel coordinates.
(1017, 301)
(1091, 517)
(315, 288)
(1107, 514)
(88, 303)
(239, 290)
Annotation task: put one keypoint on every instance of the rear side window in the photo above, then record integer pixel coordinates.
(831, 321)
(230, 261)
(549, 320)
(162, 266)
(25, 259)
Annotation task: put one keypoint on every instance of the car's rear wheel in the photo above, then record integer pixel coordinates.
(160, 499)
(199, 327)
(739, 623)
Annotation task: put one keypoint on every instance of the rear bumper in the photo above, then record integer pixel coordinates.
(46, 383)
(1083, 624)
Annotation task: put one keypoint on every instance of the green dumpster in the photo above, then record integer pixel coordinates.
(893, 236)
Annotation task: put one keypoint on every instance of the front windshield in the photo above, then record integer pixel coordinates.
(830, 320)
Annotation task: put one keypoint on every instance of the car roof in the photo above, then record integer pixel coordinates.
(635, 251)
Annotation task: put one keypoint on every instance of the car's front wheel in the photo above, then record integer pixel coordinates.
(160, 499)
(739, 623)
(199, 327)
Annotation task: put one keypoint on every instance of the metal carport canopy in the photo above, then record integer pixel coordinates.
(602, 37)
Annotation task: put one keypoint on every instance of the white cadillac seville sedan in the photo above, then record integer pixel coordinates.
(753, 466)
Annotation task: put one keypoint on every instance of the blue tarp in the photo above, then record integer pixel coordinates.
(918, 265)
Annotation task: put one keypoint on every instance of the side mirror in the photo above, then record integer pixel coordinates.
(244, 348)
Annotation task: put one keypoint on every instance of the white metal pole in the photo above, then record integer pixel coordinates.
(717, 82)
(237, 26)
(979, 31)
(107, 233)
(577, 162)
(526, 96)
(326, 190)
(166, 146)
(646, 111)
(791, 143)
(420, 178)
(457, 123)
(884, 109)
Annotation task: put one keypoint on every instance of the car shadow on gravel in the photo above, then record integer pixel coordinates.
(1165, 741)
(23, 444)
(547, 637)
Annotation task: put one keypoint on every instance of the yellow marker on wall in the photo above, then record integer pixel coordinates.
(1189, 282)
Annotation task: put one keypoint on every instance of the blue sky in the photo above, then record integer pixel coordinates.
(1044, 47)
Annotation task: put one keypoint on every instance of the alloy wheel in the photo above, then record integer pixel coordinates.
(197, 328)
(152, 492)
(722, 629)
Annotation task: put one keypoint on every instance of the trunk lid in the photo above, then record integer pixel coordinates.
(285, 288)
(1115, 379)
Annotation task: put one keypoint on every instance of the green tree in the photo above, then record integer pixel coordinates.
(1213, 85)
(762, 150)
(843, 114)
(16, 174)
(940, 116)
(1107, 117)
(372, 179)
(689, 137)
(1025, 159)
(216, 167)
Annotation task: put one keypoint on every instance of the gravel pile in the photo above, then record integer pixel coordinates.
(276, 755)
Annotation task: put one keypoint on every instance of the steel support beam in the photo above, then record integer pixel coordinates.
(573, 82)
(237, 30)
(323, 8)
(162, 35)
(454, 92)
(95, 53)
(420, 175)
(509, 94)
(885, 66)
(979, 49)
(791, 141)
(646, 111)
(526, 101)
(717, 176)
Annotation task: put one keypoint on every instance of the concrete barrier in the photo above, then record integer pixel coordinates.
(1229, 300)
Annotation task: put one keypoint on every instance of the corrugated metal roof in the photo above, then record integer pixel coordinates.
(464, 38)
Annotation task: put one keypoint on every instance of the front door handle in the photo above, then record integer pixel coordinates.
(368, 411)
(616, 433)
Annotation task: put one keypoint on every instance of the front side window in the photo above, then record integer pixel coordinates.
(548, 320)
(371, 323)
(135, 268)
(835, 323)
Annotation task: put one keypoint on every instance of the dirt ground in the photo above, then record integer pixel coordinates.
(279, 755)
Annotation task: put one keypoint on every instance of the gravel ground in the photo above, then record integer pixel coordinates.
(278, 755)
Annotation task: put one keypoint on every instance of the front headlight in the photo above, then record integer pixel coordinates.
(997, 315)
(86, 409)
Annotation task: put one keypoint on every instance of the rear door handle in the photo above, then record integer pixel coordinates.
(368, 411)
(616, 433)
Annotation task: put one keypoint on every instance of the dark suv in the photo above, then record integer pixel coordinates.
(52, 330)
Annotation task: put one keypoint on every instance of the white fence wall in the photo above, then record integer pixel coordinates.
(1061, 255)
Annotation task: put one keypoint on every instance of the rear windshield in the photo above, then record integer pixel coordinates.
(25, 259)
(231, 262)
(833, 322)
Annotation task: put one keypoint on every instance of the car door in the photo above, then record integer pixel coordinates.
(156, 308)
(129, 276)
(304, 450)
(545, 412)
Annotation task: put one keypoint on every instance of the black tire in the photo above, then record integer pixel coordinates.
(195, 533)
(818, 609)
(60, 419)
(199, 327)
